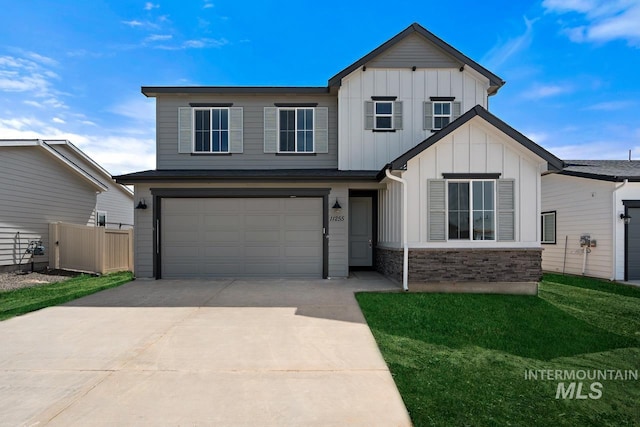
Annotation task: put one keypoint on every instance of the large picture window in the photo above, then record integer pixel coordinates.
(296, 130)
(471, 210)
(211, 130)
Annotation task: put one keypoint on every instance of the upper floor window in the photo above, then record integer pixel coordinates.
(471, 210)
(295, 130)
(439, 111)
(549, 227)
(441, 114)
(211, 130)
(383, 115)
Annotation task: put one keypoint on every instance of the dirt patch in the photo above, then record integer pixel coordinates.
(10, 281)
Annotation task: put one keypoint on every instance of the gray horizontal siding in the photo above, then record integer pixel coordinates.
(35, 190)
(253, 156)
(414, 51)
(143, 234)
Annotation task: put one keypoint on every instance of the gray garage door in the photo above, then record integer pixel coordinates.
(250, 237)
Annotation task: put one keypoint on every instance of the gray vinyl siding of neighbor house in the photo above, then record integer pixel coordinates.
(35, 190)
(413, 51)
(582, 206)
(116, 201)
(253, 155)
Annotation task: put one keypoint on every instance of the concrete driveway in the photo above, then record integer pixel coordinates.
(185, 353)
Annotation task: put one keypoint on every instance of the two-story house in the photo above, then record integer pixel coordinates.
(395, 165)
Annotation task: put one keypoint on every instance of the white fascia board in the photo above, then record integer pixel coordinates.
(91, 163)
(76, 169)
(19, 142)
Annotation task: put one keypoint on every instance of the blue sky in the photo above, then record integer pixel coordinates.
(71, 69)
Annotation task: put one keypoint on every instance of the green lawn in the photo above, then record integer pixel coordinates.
(461, 359)
(21, 301)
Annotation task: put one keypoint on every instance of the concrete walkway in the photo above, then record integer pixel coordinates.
(200, 353)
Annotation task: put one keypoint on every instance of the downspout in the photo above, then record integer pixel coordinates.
(614, 231)
(405, 216)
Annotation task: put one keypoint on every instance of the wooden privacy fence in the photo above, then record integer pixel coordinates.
(90, 249)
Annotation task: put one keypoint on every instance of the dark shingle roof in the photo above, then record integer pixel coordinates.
(207, 175)
(606, 170)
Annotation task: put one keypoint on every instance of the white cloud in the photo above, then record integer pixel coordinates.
(604, 20)
(202, 43)
(42, 59)
(150, 6)
(133, 23)
(118, 152)
(539, 91)
(139, 109)
(158, 37)
(598, 150)
(208, 5)
(610, 106)
(537, 137)
(58, 120)
(501, 52)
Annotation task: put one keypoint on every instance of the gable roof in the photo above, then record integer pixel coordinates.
(604, 170)
(495, 82)
(85, 171)
(401, 162)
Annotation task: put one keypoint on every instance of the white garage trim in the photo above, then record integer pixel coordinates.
(227, 193)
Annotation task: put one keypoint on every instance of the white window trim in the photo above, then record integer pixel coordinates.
(313, 129)
(434, 115)
(495, 212)
(376, 115)
(193, 130)
(542, 227)
(98, 213)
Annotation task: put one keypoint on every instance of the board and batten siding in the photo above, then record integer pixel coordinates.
(253, 155)
(582, 206)
(35, 190)
(475, 147)
(362, 149)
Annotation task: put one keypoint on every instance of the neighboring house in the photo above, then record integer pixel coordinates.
(583, 219)
(305, 181)
(44, 181)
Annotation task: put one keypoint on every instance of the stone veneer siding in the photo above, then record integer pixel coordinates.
(463, 265)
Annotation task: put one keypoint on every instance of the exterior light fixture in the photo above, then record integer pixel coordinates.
(141, 204)
(336, 205)
(626, 218)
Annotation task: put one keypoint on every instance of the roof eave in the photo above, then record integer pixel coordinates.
(137, 178)
(154, 91)
(599, 177)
